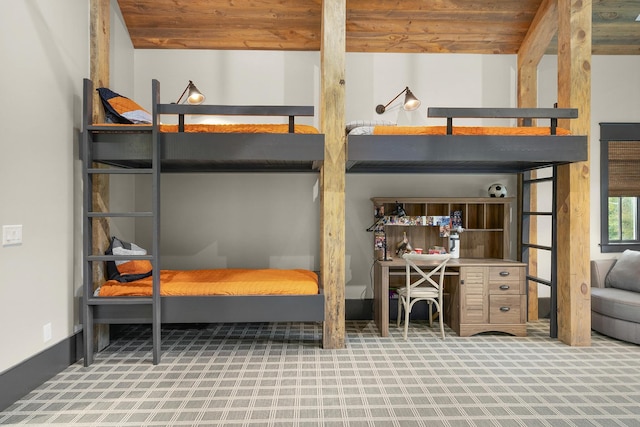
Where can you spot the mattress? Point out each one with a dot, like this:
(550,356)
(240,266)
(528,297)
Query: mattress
(219,282)
(226,128)
(465,130)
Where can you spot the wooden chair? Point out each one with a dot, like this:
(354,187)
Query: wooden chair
(424,288)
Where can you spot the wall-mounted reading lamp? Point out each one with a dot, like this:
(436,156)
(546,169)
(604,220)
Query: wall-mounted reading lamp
(410,102)
(194,97)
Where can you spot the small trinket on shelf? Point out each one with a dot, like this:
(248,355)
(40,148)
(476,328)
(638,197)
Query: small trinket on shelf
(404,245)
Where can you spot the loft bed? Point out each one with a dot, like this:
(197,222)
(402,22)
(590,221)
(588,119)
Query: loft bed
(449,149)
(190,148)
(153,148)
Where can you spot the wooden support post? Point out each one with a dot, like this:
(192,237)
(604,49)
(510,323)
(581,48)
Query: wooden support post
(99,74)
(574,90)
(535,43)
(332,179)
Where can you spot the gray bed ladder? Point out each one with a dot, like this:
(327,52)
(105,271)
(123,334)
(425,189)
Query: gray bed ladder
(526,181)
(91,304)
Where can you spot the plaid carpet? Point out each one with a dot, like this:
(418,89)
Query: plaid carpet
(277,375)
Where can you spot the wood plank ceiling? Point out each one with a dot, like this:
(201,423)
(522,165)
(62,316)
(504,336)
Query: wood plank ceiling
(410,26)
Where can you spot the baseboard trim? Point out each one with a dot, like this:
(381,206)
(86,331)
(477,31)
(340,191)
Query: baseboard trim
(33,372)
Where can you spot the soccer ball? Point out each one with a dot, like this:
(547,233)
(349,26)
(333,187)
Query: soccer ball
(497,190)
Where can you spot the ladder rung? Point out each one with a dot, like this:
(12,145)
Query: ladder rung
(539,280)
(120,171)
(117,257)
(537,180)
(534,246)
(118,214)
(538,213)
(119,300)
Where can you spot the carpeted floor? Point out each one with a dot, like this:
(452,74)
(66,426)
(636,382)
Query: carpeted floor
(278,375)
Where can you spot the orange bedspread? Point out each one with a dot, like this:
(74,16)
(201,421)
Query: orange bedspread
(464,130)
(230,128)
(220,282)
(239,128)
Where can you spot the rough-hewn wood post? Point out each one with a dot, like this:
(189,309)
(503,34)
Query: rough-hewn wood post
(332,110)
(99,74)
(574,90)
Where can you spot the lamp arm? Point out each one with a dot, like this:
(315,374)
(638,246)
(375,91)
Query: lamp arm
(184,91)
(382,108)
(373,226)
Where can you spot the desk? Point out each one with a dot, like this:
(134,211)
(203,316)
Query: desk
(483,295)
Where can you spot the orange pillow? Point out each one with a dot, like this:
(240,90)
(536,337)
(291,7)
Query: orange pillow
(120,109)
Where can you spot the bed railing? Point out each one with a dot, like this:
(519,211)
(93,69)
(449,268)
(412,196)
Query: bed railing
(525,114)
(290,111)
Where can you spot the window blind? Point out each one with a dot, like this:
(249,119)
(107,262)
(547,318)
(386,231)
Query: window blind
(624,168)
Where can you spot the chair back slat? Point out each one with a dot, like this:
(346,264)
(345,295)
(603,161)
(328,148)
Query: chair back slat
(428,267)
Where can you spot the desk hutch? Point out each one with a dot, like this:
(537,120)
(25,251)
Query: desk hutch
(485,290)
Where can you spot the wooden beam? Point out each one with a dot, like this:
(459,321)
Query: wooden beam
(541,32)
(574,90)
(332,119)
(100,29)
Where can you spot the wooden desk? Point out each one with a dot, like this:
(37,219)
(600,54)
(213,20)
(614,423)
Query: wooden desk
(483,295)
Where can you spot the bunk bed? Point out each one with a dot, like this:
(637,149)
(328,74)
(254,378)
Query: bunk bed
(366,154)
(152,149)
(449,149)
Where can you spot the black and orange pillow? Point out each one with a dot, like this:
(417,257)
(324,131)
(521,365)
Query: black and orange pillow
(120,109)
(127,270)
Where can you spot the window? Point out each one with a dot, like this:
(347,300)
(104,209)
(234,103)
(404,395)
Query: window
(619,186)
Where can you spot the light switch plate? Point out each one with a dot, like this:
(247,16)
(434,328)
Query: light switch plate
(11,235)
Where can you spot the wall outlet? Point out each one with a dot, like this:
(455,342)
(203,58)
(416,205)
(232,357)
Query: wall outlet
(11,235)
(46,332)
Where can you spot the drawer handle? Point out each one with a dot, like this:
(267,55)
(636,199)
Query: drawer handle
(504,273)
(505,309)
(504,287)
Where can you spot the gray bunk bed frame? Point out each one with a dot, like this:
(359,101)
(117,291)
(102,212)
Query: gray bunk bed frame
(143,149)
(483,154)
(469,153)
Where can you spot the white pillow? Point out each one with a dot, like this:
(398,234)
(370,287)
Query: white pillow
(362,130)
(359,123)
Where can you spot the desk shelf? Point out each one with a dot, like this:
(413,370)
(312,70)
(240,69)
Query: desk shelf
(486,223)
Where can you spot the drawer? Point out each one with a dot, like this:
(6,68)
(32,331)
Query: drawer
(506,309)
(505,273)
(506,287)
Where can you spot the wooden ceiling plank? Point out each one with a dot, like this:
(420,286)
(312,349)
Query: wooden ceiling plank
(614,25)
(509,6)
(434,27)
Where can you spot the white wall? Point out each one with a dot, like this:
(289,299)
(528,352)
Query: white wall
(44,46)
(371,79)
(205,216)
(615,97)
